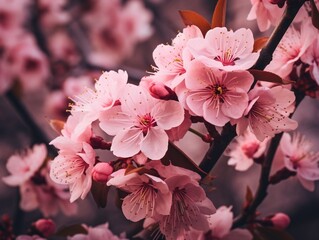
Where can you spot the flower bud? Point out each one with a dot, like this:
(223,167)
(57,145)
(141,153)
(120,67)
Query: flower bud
(160,91)
(101,172)
(280,220)
(45,226)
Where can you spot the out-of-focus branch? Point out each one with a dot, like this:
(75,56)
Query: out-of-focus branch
(37,135)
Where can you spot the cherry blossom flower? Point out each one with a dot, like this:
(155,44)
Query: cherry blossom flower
(74,164)
(216,95)
(268,112)
(172,60)
(311,57)
(244,150)
(299,158)
(220,225)
(139,123)
(189,208)
(265,13)
(92,103)
(149,195)
(291,47)
(226,50)
(100,232)
(23,167)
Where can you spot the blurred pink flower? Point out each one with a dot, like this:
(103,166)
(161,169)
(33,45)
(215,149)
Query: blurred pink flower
(299,158)
(23,167)
(100,232)
(216,95)
(268,112)
(74,164)
(311,57)
(290,49)
(226,50)
(52,14)
(139,123)
(62,48)
(244,150)
(190,206)
(45,226)
(27,62)
(265,13)
(172,60)
(220,225)
(148,195)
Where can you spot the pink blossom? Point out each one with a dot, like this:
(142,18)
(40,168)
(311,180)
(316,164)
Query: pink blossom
(291,47)
(148,195)
(220,226)
(100,232)
(108,89)
(244,150)
(47,196)
(101,172)
(311,57)
(265,13)
(226,50)
(172,60)
(299,158)
(23,167)
(137,21)
(139,123)
(27,62)
(268,112)
(280,220)
(216,95)
(74,164)
(189,208)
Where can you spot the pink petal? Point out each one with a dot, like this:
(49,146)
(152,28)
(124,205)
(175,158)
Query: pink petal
(127,143)
(114,120)
(155,143)
(214,115)
(168,114)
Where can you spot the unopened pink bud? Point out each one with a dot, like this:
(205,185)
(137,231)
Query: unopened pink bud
(160,91)
(45,226)
(101,172)
(280,220)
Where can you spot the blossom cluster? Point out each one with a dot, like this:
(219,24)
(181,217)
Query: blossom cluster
(205,77)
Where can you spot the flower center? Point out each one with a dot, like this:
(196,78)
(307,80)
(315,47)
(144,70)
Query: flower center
(250,149)
(146,122)
(227,59)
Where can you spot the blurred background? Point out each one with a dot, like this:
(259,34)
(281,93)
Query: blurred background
(48,49)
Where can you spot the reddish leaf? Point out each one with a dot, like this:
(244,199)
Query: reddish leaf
(265,76)
(260,43)
(219,15)
(179,158)
(249,195)
(193,18)
(57,125)
(99,192)
(71,230)
(269,233)
(314,14)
